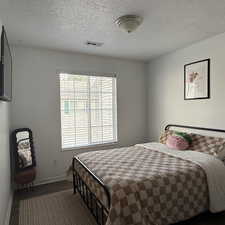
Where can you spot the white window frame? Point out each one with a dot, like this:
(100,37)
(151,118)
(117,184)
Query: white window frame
(90,146)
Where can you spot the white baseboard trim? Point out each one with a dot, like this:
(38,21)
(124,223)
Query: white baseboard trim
(50,180)
(9,208)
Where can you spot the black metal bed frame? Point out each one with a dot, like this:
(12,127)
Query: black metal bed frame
(97,209)
(194,128)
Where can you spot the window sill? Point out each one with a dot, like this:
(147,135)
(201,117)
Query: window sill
(94,146)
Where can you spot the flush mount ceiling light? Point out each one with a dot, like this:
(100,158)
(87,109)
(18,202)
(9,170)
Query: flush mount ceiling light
(129,23)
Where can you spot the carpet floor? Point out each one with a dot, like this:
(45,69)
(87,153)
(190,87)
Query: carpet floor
(55,204)
(60,208)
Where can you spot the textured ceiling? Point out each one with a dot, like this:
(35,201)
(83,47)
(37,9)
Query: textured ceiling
(68,24)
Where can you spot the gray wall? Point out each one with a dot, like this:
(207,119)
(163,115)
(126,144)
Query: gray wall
(36,101)
(5,178)
(165,88)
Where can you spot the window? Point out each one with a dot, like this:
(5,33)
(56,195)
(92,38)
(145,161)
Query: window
(66,107)
(88,110)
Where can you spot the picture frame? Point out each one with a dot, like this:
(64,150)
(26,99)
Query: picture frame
(197,80)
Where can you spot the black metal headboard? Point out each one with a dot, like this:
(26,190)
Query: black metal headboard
(196,128)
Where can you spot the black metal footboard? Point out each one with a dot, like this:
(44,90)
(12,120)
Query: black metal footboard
(97,209)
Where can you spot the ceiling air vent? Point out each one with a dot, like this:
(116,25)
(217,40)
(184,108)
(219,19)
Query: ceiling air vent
(95,44)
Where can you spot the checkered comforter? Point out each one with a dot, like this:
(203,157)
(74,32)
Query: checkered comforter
(147,187)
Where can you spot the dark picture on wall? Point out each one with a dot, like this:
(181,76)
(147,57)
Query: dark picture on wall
(197,80)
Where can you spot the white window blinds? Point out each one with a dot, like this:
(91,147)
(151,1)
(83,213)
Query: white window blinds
(88,110)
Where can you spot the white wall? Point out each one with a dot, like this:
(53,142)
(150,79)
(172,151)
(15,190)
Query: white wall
(36,101)
(5,178)
(166,84)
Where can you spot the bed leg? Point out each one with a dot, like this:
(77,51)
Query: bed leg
(74,184)
(74,178)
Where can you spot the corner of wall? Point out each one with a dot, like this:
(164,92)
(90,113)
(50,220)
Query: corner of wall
(8,210)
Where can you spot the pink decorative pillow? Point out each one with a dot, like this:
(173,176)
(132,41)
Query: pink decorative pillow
(177,142)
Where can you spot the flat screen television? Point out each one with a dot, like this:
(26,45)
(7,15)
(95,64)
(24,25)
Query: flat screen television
(5,69)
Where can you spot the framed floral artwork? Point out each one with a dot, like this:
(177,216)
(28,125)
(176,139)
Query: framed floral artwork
(197,80)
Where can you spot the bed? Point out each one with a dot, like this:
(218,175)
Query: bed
(149,184)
